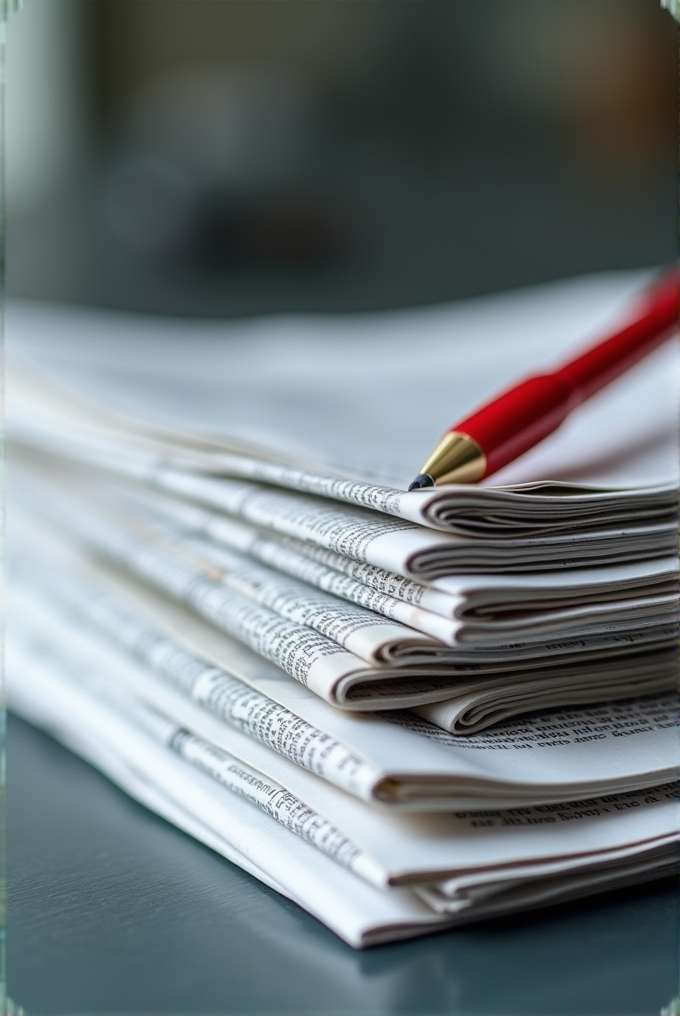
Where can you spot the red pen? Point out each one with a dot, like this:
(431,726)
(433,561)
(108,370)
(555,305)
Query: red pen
(523,415)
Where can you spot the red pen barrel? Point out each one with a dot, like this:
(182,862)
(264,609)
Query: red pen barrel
(523,415)
(519,418)
(605,362)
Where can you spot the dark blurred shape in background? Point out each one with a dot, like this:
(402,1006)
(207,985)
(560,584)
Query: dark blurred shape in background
(224,157)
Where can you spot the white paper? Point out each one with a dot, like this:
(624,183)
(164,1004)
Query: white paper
(230,379)
(401,760)
(326,666)
(397,848)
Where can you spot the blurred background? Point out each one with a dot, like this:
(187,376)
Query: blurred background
(226,157)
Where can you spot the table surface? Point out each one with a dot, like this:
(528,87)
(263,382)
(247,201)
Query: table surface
(112,910)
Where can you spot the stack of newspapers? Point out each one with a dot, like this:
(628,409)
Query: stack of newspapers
(403,711)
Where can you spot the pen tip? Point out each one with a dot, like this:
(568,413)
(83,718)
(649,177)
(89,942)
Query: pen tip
(422,480)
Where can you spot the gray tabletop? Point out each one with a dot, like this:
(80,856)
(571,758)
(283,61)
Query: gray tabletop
(111,910)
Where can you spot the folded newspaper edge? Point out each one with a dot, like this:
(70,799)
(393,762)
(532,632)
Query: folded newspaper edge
(303,638)
(54,414)
(396,545)
(359,913)
(396,759)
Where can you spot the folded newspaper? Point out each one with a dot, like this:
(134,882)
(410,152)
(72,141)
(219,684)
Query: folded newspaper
(212,551)
(393,758)
(325,406)
(355,657)
(407,873)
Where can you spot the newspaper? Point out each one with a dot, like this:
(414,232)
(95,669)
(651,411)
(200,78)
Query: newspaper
(378,539)
(227,770)
(459,891)
(317,639)
(473,710)
(359,913)
(614,461)
(217,737)
(190,669)
(457,597)
(469,842)
(540,890)
(364,634)
(476,608)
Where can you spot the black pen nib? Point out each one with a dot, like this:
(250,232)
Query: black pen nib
(422,480)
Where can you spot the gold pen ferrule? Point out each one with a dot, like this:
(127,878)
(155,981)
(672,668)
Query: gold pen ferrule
(456,459)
